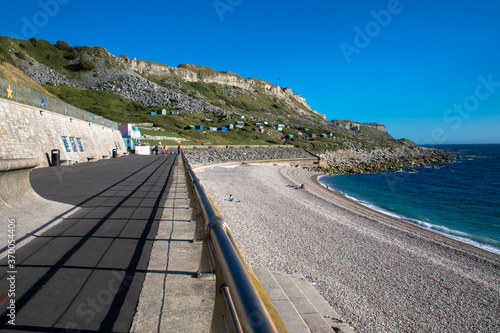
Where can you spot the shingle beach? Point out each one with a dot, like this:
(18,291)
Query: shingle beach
(380,273)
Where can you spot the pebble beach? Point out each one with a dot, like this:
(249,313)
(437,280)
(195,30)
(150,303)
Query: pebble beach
(381,274)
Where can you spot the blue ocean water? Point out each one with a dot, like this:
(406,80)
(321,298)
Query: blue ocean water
(459,199)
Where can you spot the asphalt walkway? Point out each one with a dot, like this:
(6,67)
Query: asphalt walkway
(86,273)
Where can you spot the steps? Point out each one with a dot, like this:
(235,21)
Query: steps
(299,305)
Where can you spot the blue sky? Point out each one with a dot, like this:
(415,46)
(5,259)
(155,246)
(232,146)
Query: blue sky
(428,70)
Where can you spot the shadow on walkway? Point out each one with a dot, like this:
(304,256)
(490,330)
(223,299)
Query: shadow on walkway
(85,274)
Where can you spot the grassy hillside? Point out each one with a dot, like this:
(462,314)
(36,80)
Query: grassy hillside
(13,74)
(303,127)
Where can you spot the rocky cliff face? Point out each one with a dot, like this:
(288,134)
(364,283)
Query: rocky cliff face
(354,126)
(195,73)
(129,78)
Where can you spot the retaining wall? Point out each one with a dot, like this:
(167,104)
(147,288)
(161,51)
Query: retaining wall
(23,213)
(30,132)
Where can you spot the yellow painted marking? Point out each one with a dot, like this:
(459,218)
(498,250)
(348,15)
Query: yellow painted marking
(9,92)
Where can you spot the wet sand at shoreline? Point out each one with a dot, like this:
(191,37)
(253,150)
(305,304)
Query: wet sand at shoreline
(380,273)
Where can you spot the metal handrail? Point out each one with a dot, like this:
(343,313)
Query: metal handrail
(236,297)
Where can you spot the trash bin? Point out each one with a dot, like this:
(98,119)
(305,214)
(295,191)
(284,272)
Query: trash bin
(55,159)
(114,153)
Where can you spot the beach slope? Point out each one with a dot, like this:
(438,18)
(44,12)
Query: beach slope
(380,273)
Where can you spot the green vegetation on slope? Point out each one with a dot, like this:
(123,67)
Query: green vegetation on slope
(303,127)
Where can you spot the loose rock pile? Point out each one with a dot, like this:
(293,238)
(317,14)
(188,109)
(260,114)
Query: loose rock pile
(201,157)
(339,161)
(124,82)
(359,160)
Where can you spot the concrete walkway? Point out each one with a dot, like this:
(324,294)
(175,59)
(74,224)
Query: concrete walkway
(86,273)
(173,299)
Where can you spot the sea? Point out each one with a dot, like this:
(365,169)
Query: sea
(460,199)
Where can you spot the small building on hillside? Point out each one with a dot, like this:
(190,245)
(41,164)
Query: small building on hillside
(212,129)
(279,127)
(173,112)
(151,113)
(199,127)
(222,129)
(240,124)
(230,126)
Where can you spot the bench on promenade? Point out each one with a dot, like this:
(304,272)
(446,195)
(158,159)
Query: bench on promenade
(67,161)
(92,158)
(106,157)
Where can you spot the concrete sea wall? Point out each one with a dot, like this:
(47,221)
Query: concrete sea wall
(30,132)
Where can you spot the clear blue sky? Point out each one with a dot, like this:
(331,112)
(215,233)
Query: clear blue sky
(428,70)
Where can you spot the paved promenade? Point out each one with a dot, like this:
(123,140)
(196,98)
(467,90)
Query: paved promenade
(86,273)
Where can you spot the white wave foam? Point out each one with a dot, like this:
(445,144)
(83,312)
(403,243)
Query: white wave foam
(450,233)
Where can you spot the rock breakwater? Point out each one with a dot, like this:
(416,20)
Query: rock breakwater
(202,157)
(338,162)
(359,160)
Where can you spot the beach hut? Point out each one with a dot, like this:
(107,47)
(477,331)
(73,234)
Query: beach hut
(222,129)
(151,113)
(199,127)
(212,129)
(230,126)
(279,127)
(240,124)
